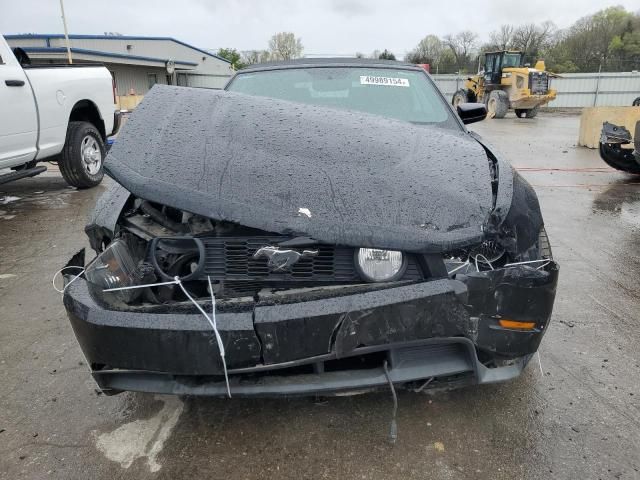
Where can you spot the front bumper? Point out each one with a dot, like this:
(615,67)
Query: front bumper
(447,329)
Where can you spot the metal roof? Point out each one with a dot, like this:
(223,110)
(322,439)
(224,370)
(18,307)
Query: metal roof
(102,54)
(109,37)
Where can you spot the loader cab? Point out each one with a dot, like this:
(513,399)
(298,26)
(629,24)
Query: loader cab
(494,62)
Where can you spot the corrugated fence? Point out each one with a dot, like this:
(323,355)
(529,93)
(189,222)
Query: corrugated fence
(574,89)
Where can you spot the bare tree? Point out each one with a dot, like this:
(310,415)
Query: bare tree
(428,50)
(532,38)
(461,46)
(502,38)
(285,46)
(254,56)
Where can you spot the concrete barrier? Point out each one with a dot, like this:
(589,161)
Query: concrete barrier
(592,119)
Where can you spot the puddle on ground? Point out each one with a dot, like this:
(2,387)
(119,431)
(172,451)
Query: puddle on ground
(8,199)
(142,438)
(622,200)
(51,199)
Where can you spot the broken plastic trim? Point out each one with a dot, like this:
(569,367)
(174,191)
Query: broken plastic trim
(613,138)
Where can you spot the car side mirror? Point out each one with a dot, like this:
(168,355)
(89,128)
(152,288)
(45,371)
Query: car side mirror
(472,112)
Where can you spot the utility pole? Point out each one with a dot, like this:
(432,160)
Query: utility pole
(66,33)
(595,97)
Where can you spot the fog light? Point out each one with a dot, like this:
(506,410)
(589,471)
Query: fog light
(375,265)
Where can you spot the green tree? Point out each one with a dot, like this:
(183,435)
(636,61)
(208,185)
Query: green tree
(233,56)
(625,50)
(591,43)
(386,55)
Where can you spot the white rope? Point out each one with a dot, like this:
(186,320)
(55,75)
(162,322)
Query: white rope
(486,261)
(53,280)
(118,289)
(465,264)
(175,281)
(213,325)
(530,261)
(544,261)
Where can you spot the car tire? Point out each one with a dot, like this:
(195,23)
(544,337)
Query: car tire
(498,104)
(532,112)
(82,158)
(636,102)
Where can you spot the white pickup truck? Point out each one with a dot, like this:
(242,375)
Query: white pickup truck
(61,113)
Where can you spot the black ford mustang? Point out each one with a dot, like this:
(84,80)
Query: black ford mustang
(350,228)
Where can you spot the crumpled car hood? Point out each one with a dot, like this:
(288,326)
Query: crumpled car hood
(336,176)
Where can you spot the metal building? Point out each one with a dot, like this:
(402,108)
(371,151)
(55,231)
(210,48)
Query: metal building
(136,63)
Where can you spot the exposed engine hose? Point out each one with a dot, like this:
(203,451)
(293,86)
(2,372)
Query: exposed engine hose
(162,219)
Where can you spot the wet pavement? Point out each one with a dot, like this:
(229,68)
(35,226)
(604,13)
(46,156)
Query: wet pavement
(576,414)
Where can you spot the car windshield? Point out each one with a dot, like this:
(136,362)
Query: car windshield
(512,60)
(406,95)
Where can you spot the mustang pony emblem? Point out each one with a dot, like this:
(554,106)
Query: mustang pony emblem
(282,259)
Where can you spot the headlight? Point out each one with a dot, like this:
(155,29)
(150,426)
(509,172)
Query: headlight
(113,268)
(376,265)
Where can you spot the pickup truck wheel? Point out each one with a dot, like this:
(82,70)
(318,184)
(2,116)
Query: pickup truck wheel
(82,156)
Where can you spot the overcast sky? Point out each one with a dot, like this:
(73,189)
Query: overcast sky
(325,26)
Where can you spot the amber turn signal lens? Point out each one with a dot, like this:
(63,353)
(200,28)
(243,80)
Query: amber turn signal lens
(515,325)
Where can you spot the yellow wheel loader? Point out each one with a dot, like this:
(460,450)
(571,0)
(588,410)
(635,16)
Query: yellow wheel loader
(505,83)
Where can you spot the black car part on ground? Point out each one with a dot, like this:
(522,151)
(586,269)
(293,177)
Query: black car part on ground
(612,140)
(208,178)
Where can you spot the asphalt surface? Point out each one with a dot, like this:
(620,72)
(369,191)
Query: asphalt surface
(573,415)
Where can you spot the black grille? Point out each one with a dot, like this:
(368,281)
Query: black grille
(230,259)
(538,83)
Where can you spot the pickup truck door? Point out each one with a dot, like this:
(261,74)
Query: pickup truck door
(18,114)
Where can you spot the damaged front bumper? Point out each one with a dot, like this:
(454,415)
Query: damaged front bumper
(447,330)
